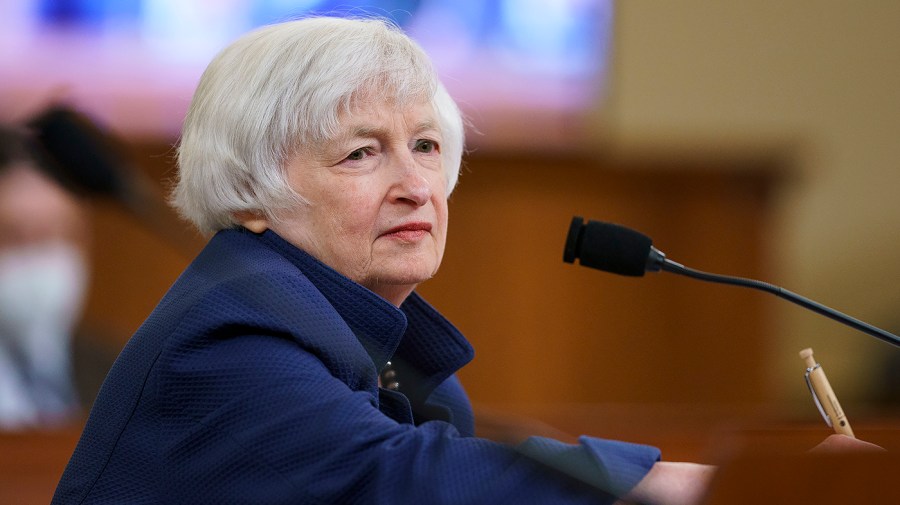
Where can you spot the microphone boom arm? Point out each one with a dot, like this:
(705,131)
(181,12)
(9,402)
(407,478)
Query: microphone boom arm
(620,250)
(660,262)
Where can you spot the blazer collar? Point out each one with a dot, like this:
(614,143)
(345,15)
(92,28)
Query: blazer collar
(423,345)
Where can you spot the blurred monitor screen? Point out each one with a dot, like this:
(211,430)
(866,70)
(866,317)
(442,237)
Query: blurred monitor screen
(516,67)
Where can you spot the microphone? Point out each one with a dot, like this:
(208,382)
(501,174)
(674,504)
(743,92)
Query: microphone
(91,162)
(616,249)
(79,155)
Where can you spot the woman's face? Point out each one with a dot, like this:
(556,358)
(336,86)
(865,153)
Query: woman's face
(377,196)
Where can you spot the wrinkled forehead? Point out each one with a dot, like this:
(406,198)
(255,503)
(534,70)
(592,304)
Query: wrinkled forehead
(376,105)
(373,118)
(364,101)
(395,95)
(388,94)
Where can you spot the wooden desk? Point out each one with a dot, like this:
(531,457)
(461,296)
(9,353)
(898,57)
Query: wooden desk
(776,477)
(704,433)
(762,457)
(31,463)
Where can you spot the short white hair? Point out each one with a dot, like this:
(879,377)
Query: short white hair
(283,86)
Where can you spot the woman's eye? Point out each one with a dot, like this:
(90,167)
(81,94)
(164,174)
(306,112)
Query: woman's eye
(357,155)
(426,146)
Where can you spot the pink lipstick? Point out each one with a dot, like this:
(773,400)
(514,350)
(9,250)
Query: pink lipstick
(409,231)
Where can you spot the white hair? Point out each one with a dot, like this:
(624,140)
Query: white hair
(284,86)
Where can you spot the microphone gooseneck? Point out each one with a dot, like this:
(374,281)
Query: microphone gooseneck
(620,250)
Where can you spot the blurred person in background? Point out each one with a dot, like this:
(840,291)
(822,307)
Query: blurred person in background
(43,278)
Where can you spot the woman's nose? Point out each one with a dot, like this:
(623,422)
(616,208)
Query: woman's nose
(412,186)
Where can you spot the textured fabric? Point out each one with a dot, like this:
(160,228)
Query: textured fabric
(255,381)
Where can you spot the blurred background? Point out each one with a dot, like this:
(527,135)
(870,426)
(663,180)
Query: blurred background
(755,139)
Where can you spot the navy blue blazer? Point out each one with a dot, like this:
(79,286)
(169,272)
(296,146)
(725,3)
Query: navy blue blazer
(255,381)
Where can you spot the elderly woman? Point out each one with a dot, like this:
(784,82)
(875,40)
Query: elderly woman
(293,362)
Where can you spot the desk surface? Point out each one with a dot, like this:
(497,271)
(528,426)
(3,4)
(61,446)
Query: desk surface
(706,433)
(762,458)
(31,463)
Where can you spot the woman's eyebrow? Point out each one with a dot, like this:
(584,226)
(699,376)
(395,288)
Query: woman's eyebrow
(369,131)
(427,124)
(365,131)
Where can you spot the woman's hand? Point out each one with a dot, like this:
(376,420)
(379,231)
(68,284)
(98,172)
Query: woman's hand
(843,443)
(672,483)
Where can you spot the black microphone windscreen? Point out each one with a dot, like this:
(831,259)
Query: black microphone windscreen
(77,153)
(608,247)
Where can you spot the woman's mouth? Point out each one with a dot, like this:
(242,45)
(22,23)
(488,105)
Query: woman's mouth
(409,231)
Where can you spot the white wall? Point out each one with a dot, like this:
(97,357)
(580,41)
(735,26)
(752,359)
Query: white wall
(820,76)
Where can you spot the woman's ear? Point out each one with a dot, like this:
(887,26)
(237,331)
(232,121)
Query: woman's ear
(253,221)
